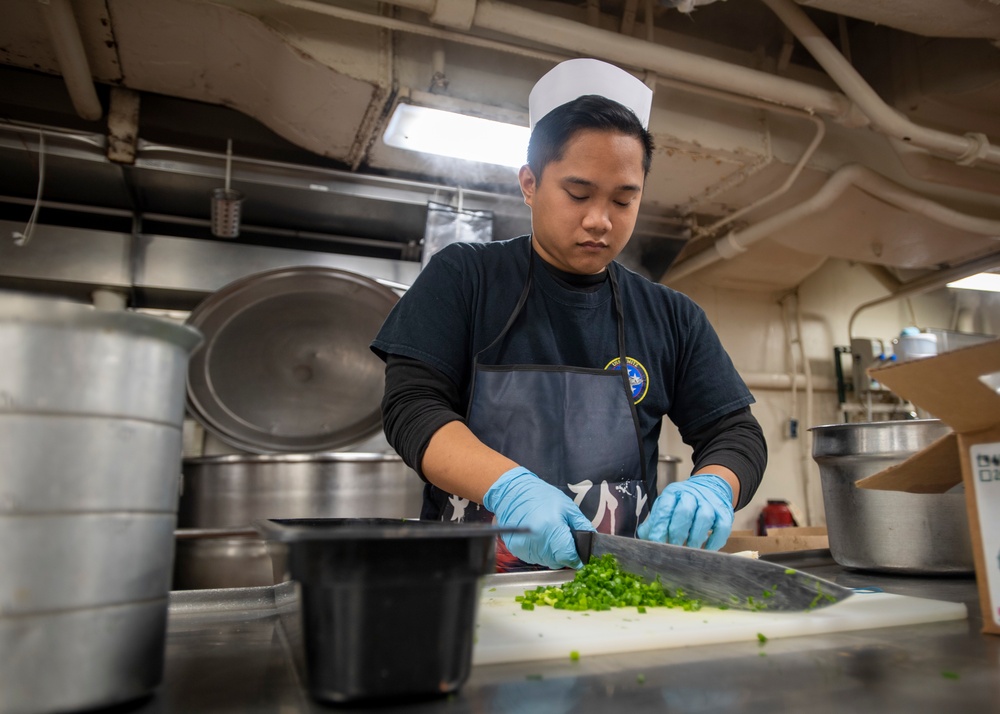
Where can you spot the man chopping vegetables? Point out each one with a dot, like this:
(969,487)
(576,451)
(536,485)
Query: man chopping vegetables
(527,379)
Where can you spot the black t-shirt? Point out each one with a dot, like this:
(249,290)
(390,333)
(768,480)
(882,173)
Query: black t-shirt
(461,301)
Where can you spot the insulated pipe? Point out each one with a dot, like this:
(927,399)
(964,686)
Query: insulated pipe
(789,180)
(68,46)
(110,300)
(966,150)
(702,71)
(570,36)
(391,23)
(735,243)
(784,382)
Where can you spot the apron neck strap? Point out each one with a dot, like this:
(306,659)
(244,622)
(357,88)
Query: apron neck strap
(517,308)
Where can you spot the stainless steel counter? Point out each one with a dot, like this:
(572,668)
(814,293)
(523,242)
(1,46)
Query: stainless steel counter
(228,651)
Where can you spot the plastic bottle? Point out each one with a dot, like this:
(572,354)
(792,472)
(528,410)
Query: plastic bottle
(776,514)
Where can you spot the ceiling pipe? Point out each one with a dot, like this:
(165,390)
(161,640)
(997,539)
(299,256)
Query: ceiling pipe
(929,282)
(68,46)
(394,24)
(734,243)
(570,36)
(786,184)
(108,299)
(785,382)
(705,71)
(965,150)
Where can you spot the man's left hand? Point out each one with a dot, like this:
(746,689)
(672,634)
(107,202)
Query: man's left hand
(688,511)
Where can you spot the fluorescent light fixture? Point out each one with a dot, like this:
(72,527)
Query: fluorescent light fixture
(459,136)
(989,282)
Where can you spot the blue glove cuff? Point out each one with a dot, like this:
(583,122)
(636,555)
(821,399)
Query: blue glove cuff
(495,492)
(719,485)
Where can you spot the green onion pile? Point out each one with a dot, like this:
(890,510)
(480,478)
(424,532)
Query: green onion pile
(601,585)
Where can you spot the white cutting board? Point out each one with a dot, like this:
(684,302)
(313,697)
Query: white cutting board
(506,633)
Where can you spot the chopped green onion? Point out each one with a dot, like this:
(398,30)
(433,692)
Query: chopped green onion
(601,584)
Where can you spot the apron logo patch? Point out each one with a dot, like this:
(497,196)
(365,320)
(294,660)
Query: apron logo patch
(637,376)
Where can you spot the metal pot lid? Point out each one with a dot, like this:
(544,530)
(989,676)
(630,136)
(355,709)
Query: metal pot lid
(285,366)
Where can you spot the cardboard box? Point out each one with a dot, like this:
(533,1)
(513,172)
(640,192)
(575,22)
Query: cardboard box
(959,388)
(778,540)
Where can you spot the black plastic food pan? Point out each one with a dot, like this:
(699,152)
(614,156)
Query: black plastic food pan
(388,605)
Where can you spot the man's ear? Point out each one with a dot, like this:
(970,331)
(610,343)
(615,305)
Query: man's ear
(526,177)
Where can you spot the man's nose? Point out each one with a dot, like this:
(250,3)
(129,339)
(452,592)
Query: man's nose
(597,219)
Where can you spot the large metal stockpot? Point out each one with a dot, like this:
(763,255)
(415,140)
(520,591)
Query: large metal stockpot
(232,491)
(888,531)
(91,408)
(666,471)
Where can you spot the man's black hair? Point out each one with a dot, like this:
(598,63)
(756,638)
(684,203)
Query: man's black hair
(555,129)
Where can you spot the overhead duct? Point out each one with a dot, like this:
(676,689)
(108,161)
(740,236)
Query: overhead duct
(736,243)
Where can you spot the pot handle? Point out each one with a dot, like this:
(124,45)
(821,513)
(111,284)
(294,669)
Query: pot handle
(198,533)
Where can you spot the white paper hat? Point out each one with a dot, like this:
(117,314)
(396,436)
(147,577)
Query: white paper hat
(579,77)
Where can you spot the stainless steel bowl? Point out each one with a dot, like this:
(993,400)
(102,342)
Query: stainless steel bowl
(888,531)
(233,491)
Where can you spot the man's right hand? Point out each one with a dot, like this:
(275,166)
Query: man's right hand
(521,499)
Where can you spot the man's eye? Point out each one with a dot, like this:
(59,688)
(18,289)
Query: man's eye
(575,197)
(623,204)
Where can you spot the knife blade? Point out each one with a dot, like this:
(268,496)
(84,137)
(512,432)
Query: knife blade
(718,579)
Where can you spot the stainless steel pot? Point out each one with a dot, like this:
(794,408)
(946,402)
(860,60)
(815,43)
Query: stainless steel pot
(232,491)
(91,407)
(666,471)
(888,531)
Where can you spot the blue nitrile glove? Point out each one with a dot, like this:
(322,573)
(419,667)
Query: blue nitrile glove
(687,510)
(519,498)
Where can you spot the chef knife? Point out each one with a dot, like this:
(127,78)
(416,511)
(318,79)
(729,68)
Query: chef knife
(719,579)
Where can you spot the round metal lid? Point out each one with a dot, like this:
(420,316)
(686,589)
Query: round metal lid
(285,366)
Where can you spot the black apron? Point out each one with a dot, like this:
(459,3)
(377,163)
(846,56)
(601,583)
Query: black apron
(575,427)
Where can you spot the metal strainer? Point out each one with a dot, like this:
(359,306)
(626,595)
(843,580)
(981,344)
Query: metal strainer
(227,204)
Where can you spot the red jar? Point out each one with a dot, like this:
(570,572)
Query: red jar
(776,514)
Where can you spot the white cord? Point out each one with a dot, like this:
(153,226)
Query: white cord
(22,239)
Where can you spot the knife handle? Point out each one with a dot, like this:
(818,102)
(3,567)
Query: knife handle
(584,544)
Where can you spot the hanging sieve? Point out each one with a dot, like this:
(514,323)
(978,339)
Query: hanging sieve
(226,204)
